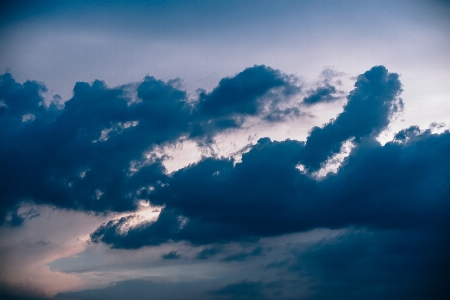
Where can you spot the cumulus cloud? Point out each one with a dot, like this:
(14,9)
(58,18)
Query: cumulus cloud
(321,94)
(386,186)
(242,94)
(368,111)
(95,152)
(255,91)
(266,194)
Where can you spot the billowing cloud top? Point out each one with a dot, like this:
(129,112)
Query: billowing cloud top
(95,154)
(98,152)
(266,194)
(90,154)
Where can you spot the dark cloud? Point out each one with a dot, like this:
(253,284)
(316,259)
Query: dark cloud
(368,111)
(208,253)
(258,289)
(171,255)
(406,134)
(140,289)
(242,94)
(395,186)
(80,156)
(145,234)
(326,90)
(388,186)
(232,201)
(241,290)
(257,90)
(278,115)
(16,219)
(277,264)
(321,94)
(201,290)
(21,292)
(378,265)
(20,99)
(241,256)
(88,153)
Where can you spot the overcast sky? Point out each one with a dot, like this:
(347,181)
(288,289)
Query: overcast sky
(224,149)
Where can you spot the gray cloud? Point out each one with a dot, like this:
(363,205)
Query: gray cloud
(89,155)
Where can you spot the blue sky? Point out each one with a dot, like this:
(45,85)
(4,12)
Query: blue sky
(225,149)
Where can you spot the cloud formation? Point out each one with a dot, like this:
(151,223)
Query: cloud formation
(266,194)
(95,152)
(321,94)
(390,264)
(276,198)
(368,111)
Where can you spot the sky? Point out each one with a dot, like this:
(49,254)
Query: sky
(224,149)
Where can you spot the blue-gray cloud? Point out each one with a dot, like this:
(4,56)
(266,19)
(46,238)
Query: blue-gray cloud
(241,94)
(245,94)
(241,256)
(264,195)
(396,195)
(241,290)
(321,94)
(379,264)
(395,186)
(208,252)
(171,255)
(88,154)
(368,111)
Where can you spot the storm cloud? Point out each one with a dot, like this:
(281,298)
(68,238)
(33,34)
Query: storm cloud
(94,152)
(378,186)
